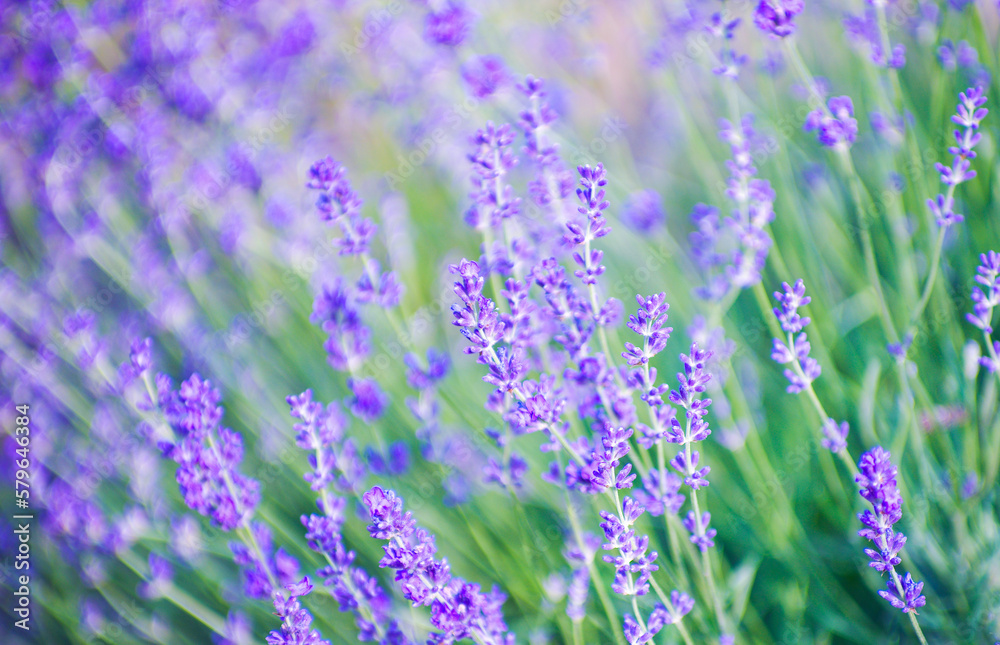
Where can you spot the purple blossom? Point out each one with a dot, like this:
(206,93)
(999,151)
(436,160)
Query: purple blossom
(367,402)
(834,435)
(449,25)
(336,312)
(208,456)
(591,195)
(296,622)
(493,200)
(458,608)
(794,349)
(986,296)
(774,17)
(320,431)
(484,75)
(643,212)
(968,117)
(836,126)
(160,576)
(877,479)
(732,252)
(648,322)
(553,182)
(863,30)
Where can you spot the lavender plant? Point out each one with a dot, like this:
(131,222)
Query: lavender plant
(270,198)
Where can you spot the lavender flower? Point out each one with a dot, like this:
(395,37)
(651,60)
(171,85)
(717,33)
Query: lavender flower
(339,204)
(774,17)
(835,125)
(449,25)
(207,455)
(794,349)
(834,435)
(334,461)
(553,182)
(987,296)
(643,212)
(458,608)
(633,564)
(969,116)
(591,194)
(878,486)
(692,384)
(296,622)
(732,252)
(484,75)
(864,31)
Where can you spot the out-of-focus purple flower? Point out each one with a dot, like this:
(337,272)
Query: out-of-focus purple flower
(836,127)
(484,75)
(834,435)
(449,25)
(262,566)
(160,576)
(863,30)
(492,159)
(553,182)
(394,462)
(420,378)
(335,310)
(732,252)
(775,17)
(643,212)
(367,401)
(339,204)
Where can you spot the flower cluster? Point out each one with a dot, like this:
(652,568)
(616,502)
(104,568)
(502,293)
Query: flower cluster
(591,194)
(458,608)
(732,252)
(493,200)
(986,297)
(729,61)
(633,564)
(553,182)
(877,480)
(335,465)
(337,308)
(296,622)
(775,17)
(339,204)
(834,123)
(864,31)
(688,396)
(207,454)
(794,349)
(969,115)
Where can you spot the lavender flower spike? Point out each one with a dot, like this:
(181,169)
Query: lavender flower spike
(836,126)
(296,622)
(774,17)
(969,115)
(878,486)
(794,349)
(458,608)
